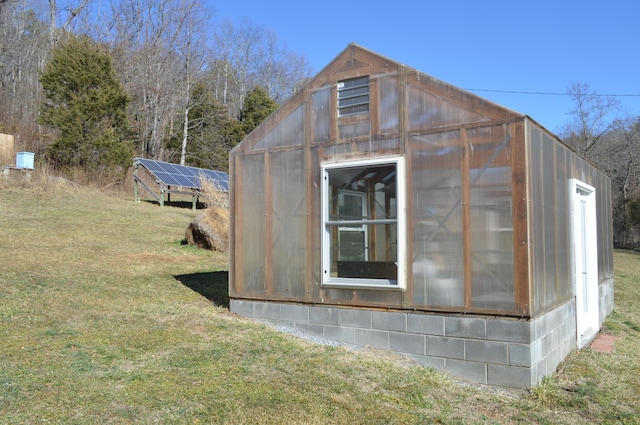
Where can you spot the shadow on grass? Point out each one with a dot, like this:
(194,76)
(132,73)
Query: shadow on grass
(214,286)
(176,204)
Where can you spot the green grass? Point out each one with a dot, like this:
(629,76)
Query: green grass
(105,317)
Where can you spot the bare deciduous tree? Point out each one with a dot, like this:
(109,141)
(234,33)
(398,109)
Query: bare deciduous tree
(247,56)
(155,44)
(193,54)
(591,118)
(278,70)
(70,10)
(24,50)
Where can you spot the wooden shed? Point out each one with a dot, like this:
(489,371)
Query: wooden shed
(381,206)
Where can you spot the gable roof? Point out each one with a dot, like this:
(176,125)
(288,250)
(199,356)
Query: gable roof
(445,103)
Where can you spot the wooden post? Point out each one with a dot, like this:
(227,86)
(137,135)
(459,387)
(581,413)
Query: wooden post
(135,182)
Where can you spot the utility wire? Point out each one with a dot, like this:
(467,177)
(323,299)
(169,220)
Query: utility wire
(553,93)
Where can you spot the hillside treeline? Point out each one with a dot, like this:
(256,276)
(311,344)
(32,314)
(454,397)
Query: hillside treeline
(88,84)
(603,132)
(187,75)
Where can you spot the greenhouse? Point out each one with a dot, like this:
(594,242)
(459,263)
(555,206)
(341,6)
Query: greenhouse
(380,206)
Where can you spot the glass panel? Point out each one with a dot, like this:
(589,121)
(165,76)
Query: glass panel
(362,222)
(436,228)
(352,243)
(369,251)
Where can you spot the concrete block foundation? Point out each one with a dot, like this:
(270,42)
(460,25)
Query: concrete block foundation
(498,351)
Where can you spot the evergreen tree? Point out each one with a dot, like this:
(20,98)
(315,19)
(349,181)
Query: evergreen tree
(87,105)
(256,108)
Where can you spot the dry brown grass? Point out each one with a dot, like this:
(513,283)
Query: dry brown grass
(211,195)
(103,320)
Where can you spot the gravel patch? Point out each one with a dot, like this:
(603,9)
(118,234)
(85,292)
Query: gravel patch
(402,361)
(314,338)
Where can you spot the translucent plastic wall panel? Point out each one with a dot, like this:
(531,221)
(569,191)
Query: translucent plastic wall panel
(380,146)
(288,132)
(605,226)
(354,130)
(552,253)
(582,170)
(251,235)
(536,190)
(288,223)
(563,219)
(332,151)
(315,210)
(491,225)
(388,107)
(366,298)
(428,111)
(437,267)
(321,114)
(378,298)
(550,194)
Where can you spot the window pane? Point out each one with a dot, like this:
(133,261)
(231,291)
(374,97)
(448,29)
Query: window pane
(352,244)
(362,223)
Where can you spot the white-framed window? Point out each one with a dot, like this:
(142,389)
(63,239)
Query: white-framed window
(363,223)
(353,96)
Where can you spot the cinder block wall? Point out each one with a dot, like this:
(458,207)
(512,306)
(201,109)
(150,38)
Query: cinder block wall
(502,352)
(605,293)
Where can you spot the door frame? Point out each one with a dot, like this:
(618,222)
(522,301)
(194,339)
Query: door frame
(585,260)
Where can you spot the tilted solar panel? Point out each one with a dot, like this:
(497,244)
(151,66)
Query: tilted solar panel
(183,175)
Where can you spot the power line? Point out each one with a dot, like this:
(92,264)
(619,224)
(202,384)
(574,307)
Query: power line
(552,93)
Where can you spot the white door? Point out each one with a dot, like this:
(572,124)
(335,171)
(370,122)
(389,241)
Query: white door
(585,250)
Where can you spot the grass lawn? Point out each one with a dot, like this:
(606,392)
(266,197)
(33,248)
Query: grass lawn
(106,318)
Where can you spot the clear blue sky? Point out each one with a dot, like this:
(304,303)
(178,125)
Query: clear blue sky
(535,46)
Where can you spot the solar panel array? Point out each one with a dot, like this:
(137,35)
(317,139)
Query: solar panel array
(184,176)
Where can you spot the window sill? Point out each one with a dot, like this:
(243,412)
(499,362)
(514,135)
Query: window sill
(377,284)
